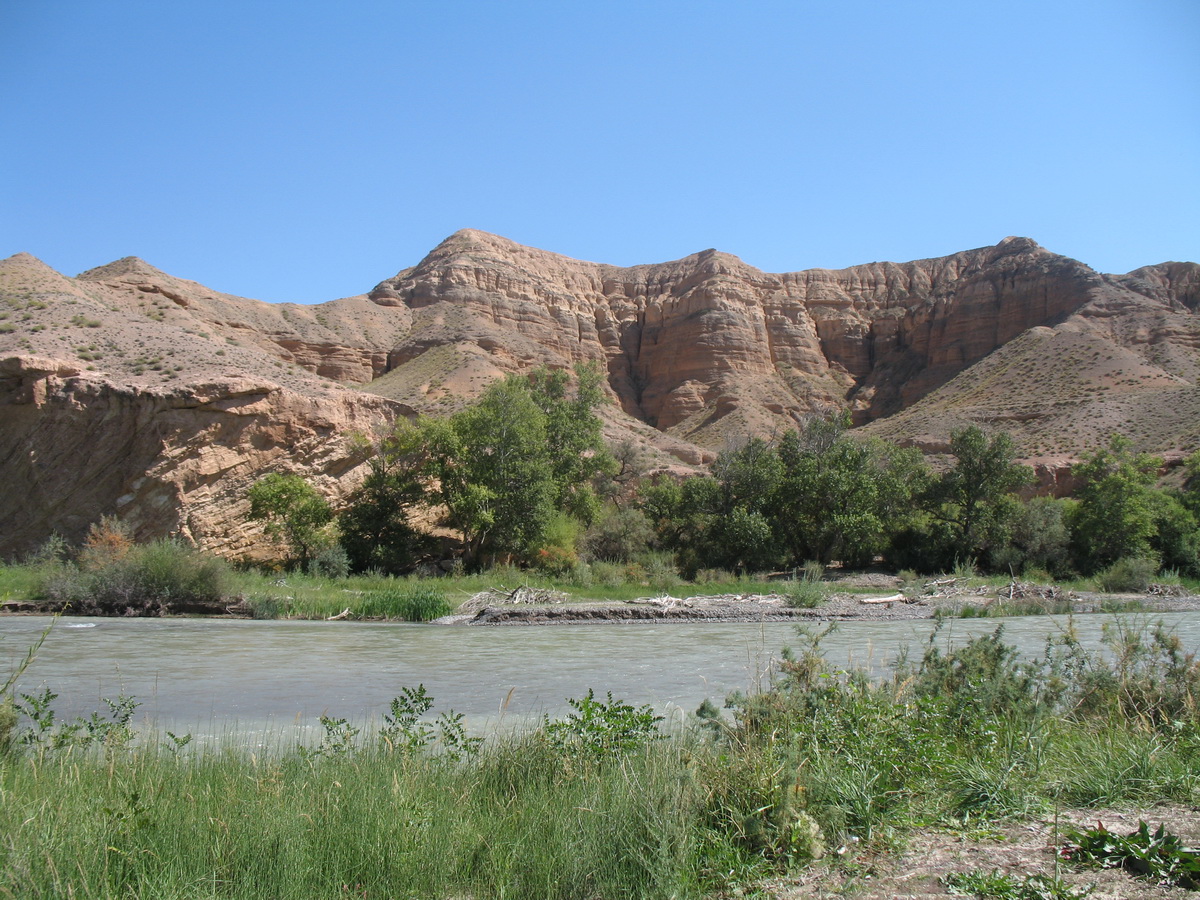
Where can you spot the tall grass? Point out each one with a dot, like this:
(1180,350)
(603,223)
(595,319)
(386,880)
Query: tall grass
(515,823)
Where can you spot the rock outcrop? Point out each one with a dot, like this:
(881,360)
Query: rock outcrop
(168,462)
(128,390)
(689,343)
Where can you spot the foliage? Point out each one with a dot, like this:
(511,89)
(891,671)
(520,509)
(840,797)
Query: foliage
(111,731)
(1127,575)
(1115,516)
(294,513)
(413,603)
(981,680)
(618,534)
(1001,886)
(839,497)
(108,541)
(146,579)
(524,450)
(578,455)
(602,728)
(602,804)
(720,520)
(1159,855)
(1176,541)
(375,530)
(806,590)
(330,562)
(973,499)
(1040,539)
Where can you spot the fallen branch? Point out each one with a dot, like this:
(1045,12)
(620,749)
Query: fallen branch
(344,614)
(892,598)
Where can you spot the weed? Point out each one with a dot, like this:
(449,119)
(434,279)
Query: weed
(602,727)
(1159,855)
(999,886)
(806,590)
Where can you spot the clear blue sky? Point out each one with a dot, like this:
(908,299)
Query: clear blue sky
(304,151)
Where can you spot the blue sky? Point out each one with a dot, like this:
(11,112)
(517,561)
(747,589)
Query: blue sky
(304,151)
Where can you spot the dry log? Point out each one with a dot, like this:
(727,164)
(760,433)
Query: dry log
(893,598)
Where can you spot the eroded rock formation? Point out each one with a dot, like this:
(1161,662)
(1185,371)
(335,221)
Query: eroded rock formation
(127,390)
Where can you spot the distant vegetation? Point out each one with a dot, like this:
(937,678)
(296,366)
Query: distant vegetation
(524,478)
(523,485)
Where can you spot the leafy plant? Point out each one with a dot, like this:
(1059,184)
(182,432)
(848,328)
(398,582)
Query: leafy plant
(602,727)
(999,886)
(337,740)
(403,730)
(1157,854)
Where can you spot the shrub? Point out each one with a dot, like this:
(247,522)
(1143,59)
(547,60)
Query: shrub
(607,574)
(331,562)
(660,571)
(149,579)
(618,535)
(806,590)
(1127,575)
(602,728)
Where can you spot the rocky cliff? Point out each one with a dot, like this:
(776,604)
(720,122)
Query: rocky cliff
(128,390)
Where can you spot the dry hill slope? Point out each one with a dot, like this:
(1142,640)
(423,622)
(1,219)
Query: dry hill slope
(127,390)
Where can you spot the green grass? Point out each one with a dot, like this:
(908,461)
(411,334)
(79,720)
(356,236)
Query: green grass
(516,822)
(296,595)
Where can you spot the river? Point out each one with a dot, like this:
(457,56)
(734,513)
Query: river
(213,677)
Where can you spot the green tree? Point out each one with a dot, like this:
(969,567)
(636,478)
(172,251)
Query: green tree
(1115,516)
(294,513)
(527,448)
(975,498)
(840,497)
(578,455)
(719,521)
(376,532)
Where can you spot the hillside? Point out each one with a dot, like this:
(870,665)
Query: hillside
(125,389)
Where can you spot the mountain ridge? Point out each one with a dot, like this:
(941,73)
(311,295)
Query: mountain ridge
(208,390)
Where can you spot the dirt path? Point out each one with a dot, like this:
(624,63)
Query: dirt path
(1022,849)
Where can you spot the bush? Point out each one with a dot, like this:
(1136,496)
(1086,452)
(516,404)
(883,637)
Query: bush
(660,571)
(602,728)
(1127,576)
(331,562)
(806,590)
(148,579)
(1040,539)
(619,535)
(607,574)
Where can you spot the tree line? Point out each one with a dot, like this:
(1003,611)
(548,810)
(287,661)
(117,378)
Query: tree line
(524,476)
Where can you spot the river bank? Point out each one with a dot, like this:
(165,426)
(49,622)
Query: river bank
(871,597)
(821,783)
(859,597)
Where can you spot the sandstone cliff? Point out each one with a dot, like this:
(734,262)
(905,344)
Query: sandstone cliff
(128,390)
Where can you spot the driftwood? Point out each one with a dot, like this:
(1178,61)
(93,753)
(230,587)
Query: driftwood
(892,598)
(344,614)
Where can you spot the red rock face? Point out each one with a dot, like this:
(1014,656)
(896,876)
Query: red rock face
(168,462)
(128,390)
(683,341)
